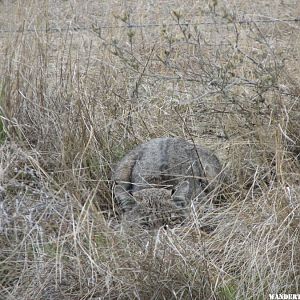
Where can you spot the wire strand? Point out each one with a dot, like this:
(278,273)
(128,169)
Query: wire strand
(130,26)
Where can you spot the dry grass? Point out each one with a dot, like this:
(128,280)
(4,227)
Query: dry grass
(75,101)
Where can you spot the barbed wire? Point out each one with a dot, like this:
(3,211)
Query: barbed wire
(132,25)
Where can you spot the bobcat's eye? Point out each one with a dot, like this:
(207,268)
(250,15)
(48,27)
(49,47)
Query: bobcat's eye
(144,222)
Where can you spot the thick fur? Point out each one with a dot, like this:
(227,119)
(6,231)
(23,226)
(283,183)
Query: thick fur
(189,170)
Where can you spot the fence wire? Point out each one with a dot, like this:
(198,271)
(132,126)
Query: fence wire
(133,26)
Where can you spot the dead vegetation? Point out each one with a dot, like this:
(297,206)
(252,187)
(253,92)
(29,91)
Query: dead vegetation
(80,86)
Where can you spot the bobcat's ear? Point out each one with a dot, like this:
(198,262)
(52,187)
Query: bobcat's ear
(124,199)
(180,195)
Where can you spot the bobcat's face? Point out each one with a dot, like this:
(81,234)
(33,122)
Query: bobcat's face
(154,208)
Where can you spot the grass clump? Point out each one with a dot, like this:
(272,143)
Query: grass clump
(76,97)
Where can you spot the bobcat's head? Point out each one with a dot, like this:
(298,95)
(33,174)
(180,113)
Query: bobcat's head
(155,207)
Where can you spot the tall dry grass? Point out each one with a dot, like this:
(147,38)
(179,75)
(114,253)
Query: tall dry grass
(73,102)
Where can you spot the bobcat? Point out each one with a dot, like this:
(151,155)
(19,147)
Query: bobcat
(154,208)
(156,181)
